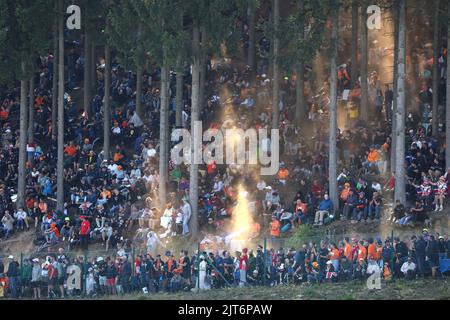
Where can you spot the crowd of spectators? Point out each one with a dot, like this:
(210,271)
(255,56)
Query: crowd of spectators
(325,261)
(107,200)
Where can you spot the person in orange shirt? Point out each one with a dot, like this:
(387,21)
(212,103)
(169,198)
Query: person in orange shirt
(372,250)
(348,249)
(334,257)
(379,254)
(372,159)
(283,174)
(71,150)
(362,252)
(275,227)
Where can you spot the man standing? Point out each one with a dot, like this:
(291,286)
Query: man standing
(420,253)
(187,212)
(84,232)
(243,267)
(13,276)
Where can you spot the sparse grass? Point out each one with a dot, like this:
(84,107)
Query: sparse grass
(396,290)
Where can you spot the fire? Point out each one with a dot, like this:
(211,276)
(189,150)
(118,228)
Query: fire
(242,219)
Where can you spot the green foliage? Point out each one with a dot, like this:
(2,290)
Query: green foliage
(303,234)
(145,31)
(25,33)
(295,47)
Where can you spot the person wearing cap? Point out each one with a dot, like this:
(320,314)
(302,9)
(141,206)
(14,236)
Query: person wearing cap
(36,274)
(13,276)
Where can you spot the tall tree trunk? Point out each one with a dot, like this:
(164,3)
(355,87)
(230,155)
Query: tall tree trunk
(202,70)
(300,93)
(354,68)
(276,75)
(332,172)
(55,77)
(447,108)
(163,134)
(436,49)
(179,95)
(31,110)
(93,70)
(251,62)
(21,185)
(61,79)
(107,105)
(400,119)
(300,72)
(87,85)
(139,110)
(364,65)
(396,14)
(193,171)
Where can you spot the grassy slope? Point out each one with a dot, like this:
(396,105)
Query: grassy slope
(398,290)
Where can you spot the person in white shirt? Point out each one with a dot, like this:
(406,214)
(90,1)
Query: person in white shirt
(167,216)
(187,212)
(377,187)
(409,269)
(152,242)
(203,266)
(218,185)
(373,267)
(21,217)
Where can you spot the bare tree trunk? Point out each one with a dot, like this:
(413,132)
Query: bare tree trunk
(139,110)
(300,93)
(364,65)
(193,171)
(87,85)
(55,78)
(300,72)
(436,49)
(107,105)
(61,79)
(31,110)
(396,15)
(251,62)
(163,146)
(179,95)
(21,183)
(354,69)
(447,109)
(332,172)
(400,119)
(202,70)
(276,76)
(93,68)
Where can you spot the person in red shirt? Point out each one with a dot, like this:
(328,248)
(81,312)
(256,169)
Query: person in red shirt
(243,267)
(355,249)
(52,277)
(84,232)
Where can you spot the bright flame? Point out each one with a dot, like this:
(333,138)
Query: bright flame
(241,220)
